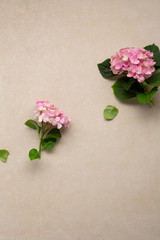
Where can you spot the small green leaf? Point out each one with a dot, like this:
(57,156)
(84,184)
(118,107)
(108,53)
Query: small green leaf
(154,80)
(34,154)
(53,133)
(110,112)
(120,92)
(147,97)
(3,155)
(48,144)
(105,69)
(33,124)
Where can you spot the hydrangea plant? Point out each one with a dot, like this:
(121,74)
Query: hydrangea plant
(136,70)
(50,121)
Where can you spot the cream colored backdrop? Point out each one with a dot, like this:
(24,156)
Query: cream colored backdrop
(102,180)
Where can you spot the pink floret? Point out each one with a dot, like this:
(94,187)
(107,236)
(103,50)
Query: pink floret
(48,113)
(135,62)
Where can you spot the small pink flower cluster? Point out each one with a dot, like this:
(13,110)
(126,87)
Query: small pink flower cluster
(136,62)
(48,113)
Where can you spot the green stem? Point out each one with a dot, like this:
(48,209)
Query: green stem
(46,130)
(41,138)
(40,146)
(145,86)
(41,135)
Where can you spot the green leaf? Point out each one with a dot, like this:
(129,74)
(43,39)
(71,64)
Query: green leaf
(48,144)
(120,92)
(136,88)
(34,154)
(53,133)
(156,54)
(152,48)
(33,124)
(105,70)
(110,112)
(3,155)
(126,82)
(157,59)
(154,80)
(147,97)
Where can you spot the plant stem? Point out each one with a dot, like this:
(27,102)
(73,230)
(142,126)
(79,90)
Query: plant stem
(40,147)
(41,138)
(145,87)
(41,135)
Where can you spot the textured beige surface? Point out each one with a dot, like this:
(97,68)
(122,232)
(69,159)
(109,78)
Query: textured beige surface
(102,180)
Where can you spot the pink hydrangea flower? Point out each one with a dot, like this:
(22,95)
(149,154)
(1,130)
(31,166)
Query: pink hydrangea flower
(136,62)
(48,113)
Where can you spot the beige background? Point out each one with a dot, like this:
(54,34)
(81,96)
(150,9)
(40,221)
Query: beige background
(101,182)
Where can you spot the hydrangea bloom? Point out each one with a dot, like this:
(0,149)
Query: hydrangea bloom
(136,62)
(48,113)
